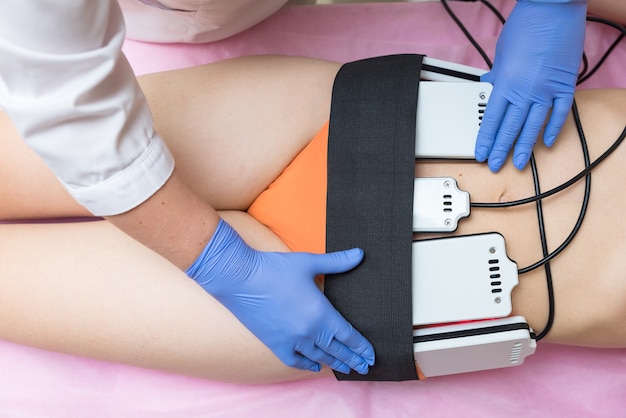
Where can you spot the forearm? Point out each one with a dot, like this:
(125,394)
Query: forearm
(175,222)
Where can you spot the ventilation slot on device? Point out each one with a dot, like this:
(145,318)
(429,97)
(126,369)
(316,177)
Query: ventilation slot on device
(494,275)
(516,353)
(447,203)
(481,110)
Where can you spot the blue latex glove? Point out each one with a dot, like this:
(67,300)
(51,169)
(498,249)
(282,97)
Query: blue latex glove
(537,60)
(275,296)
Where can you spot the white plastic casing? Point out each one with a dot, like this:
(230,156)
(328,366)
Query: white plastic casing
(462,278)
(448,118)
(449,69)
(438,204)
(473,346)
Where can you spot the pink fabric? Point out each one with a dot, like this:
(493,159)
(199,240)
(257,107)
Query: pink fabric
(555,382)
(349,32)
(558,381)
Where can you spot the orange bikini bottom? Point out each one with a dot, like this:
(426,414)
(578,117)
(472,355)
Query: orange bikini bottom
(294,205)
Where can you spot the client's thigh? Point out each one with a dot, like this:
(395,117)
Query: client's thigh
(589,283)
(233,126)
(28,188)
(88,289)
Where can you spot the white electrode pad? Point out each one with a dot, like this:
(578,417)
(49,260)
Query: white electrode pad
(449,114)
(473,346)
(462,278)
(438,204)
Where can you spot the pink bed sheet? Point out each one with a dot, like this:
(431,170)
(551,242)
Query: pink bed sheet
(558,381)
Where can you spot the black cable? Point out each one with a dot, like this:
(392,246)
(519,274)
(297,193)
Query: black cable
(585,204)
(495,11)
(549,283)
(544,249)
(559,188)
(584,69)
(619,27)
(467,34)
(585,76)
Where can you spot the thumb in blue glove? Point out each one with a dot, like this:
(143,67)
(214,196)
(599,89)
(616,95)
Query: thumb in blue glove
(538,56)
(274,295)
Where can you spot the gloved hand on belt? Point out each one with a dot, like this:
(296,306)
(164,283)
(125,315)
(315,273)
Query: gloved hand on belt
(274,295)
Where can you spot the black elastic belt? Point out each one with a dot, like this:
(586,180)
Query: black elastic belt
(371,160)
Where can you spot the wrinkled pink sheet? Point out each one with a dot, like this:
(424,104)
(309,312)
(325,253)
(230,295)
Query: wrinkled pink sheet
(558,381)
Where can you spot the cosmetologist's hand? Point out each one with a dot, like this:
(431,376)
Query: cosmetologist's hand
(275,296)
(536,65)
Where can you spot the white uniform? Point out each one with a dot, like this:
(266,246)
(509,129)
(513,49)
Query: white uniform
(74,98)
(193,20)
(75,101)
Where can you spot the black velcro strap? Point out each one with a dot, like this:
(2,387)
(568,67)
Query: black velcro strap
(371,159)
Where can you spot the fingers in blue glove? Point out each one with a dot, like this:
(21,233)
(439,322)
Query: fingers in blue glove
(357,343)
(313,353)
(345,344)
(560,110)
(348,346)
(492,119)
(301,361)
(335,344)
(275,297)
(336,262)
(496,150)
(530,132)
(329,351)
(511,126)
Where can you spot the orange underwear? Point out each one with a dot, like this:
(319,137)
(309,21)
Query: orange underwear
(294,205)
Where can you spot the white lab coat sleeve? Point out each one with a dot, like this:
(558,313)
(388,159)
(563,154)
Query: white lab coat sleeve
(73,97)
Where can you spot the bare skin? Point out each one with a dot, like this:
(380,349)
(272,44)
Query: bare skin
(614,10)
(87,288)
